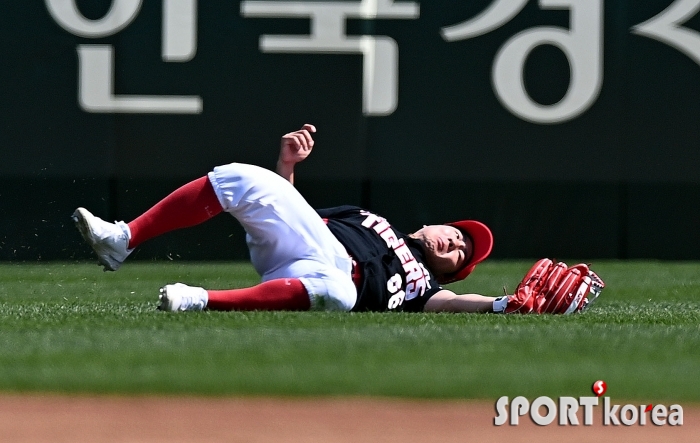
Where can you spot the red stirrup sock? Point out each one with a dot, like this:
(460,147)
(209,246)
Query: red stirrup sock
(282,294)
(189,205)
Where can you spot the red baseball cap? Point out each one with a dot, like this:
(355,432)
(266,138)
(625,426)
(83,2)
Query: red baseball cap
(482,243)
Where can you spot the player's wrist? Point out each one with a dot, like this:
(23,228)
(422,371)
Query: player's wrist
(286,163)
(500,304)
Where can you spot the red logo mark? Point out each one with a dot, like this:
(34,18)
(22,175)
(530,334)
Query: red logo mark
(648,408)
(599,388)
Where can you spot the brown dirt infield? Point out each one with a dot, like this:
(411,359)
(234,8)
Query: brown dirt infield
(105,419)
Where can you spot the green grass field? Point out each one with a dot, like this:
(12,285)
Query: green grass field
(69,327)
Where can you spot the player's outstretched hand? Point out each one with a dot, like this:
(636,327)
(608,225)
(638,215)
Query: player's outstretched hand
(297,145)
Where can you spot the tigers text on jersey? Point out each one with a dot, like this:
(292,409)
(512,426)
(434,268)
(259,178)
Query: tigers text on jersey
(392,265)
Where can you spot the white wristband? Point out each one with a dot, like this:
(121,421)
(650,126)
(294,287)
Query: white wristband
(499,305)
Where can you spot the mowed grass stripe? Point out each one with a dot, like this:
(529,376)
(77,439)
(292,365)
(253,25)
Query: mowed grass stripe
(68,327)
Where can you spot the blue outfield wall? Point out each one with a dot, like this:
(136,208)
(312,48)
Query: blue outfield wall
(571,131)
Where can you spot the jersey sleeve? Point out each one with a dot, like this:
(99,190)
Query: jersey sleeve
(418,304)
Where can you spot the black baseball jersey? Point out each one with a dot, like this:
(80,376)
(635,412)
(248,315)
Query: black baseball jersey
(392,265)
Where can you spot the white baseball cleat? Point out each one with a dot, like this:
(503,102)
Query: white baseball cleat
(110,241)
(180,297)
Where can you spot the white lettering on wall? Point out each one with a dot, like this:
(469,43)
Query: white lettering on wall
(380,53)
(666,27)
(96,62)
(582,44)
(67,15)
(496,15)
(179,30)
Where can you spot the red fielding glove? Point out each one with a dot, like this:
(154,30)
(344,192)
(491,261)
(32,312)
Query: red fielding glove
(554,288)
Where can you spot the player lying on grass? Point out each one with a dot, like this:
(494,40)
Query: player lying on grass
(343,258)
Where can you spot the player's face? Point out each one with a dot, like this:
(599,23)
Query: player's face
(446,248)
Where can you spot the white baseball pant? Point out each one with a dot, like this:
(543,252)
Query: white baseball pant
(285,235)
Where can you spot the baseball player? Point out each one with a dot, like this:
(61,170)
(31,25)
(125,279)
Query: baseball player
(343,258)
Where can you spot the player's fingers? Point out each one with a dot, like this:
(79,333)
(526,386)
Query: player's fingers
(309,127)
(308,139)
(304,139)
(290,141)
(301,141)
